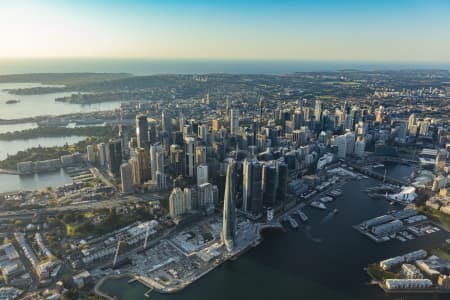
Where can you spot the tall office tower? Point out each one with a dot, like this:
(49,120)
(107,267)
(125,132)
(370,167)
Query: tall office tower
(234,121)
(299,118)
(341,143)
(318,109)
(188,202)
(114,156)
(228,108)
(160,180)
(144,164)
(189,150)
(90,153)
(142,131)
(202,174)
(127,178)
(202,132)
(182,121)
(261,108)
(229,208)
(176,203)
(187,130)
(269,184)
(160,161)
(251,187)
(216,125)
(152,134)
(403,131)
(135,170)
(306,114)
(360,147)
(200,155)
(283,176)
(379,115)
(101,153)
(177,159)
(205,195)
(424,127)
(123,135)
(154,157)
(177,138)
(350,142)
(323,138)
(412,121)
(346,108)
(166,123)
(348,124)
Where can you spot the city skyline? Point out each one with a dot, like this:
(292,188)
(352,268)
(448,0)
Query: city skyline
(323,30)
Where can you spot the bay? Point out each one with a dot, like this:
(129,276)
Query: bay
(40,105)
(322,260)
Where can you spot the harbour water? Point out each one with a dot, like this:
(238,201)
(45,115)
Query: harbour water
(39,105)
(14,146)
(322,260)
(12,183)
(17,127)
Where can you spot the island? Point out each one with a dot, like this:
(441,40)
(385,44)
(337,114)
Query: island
(12,101)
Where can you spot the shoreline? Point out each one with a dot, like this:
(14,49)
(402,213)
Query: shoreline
(153,286)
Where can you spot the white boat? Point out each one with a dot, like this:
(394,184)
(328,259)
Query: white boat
(302,216)
(292,222)
(317,204)
(326,199)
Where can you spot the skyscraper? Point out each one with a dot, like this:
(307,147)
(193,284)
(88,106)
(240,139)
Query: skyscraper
(101,153)
(176,203)
(229,208)
(156,160)
(142,131)
(189,151)
(251,187)
(166,123)
(123,135)
(341,143)
(234,121)
(135,170)
(114,156)
(90,153)
(127,178)
(318,109)
(202,174)
(144,165)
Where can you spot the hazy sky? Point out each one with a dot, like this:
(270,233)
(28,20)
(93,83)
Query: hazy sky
(379,30)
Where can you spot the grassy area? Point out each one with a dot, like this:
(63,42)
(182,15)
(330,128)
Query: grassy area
(81,224)
(377,273)
(442,251)
(436,216)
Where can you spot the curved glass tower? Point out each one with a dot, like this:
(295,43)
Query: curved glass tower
(229,208)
